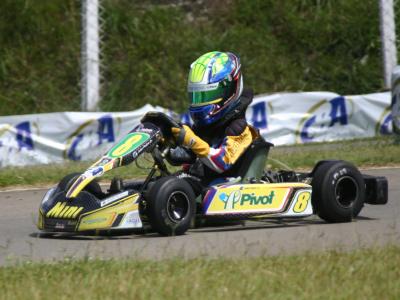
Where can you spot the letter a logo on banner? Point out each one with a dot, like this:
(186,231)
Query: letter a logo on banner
(259,115)
(106,129)
(23,136)
(338,111)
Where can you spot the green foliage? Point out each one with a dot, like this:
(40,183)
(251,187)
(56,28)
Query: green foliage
(284,46)
(362,274)
(39,56)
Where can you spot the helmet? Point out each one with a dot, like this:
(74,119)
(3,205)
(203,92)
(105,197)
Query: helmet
(214,85)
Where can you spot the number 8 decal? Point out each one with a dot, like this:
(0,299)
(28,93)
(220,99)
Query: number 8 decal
(302,202)
(127,145)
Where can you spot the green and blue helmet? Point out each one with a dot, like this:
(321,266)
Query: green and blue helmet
(214,86)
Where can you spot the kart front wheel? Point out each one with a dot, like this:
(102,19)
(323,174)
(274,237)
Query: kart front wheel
(338,191)
(171,206)
(93,187)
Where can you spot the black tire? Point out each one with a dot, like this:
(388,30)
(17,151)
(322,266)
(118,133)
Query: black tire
(93,187)
(338,191)
(171,206)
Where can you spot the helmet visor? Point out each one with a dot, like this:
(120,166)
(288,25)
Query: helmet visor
(205,94)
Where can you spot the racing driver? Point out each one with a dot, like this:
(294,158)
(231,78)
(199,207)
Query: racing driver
(218,102)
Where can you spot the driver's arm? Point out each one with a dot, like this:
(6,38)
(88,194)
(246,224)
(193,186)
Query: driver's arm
(219,158)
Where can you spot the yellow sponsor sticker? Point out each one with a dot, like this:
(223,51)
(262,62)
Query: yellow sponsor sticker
(62,210)
(302,202)
(103,218)
(250,198)
(128,144)
(97,221)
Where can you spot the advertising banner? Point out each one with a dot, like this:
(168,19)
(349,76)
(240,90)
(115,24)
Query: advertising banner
(283,119)
(292,118)
(56,137)
(396,100)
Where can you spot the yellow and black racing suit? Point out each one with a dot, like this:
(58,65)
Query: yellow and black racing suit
(219,147)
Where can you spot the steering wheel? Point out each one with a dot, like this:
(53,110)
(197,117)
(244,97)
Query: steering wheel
(161,120)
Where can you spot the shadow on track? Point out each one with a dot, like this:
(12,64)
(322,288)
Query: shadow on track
(212,226)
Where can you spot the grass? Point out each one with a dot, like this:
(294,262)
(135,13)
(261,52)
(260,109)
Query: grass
(49,174)
(362,274)
(363,153)
(371,152)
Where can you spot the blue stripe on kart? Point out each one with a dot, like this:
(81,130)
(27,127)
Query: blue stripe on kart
(207,199)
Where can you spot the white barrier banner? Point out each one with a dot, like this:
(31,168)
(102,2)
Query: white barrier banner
(55,137)
(283,119)
(320,116)
(396,99)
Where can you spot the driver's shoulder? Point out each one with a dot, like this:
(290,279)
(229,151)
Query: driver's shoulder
(236,127)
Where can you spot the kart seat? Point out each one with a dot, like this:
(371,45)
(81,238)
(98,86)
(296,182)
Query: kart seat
(251,164)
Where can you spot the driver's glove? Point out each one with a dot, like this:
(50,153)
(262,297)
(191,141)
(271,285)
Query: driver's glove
(180,155)
(186,137)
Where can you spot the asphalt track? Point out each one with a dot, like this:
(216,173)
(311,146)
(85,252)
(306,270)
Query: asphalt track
(21,241)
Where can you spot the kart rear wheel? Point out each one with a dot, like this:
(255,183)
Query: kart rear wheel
(171,206)
(338,191)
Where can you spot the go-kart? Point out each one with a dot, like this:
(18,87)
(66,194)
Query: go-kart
(169,203)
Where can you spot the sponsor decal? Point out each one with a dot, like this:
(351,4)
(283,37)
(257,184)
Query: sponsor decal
(113,198)
(47,138)
(395,106)
(94,221)
(302,201)
(135,154)
(128,144)
(141,128)
(62,210)
(131,220)
(259,115)
(192,141)
(94,172)
(94,134)
(325,116)
(17,140)
(104,161)
(385,123)
(237,198)
(186,175)
(247,198)
(24,136)
(60,226)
